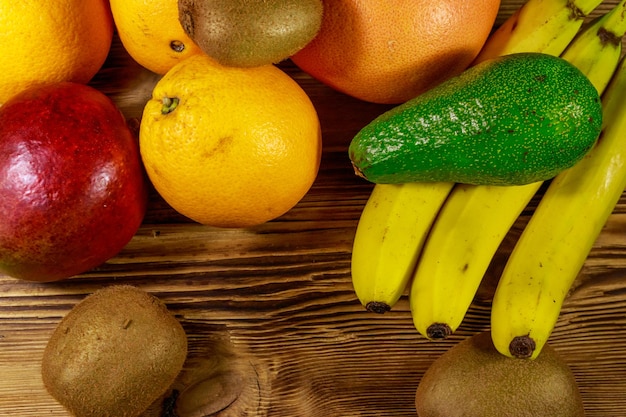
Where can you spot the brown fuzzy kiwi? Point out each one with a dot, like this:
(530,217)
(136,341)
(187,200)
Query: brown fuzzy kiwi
(473,379)
(249,33)
(114,353)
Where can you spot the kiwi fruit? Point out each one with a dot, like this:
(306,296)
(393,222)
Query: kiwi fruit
(472,379)
(114,354)
(249,33)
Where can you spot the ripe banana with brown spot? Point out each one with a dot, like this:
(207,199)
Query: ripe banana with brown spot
(379,275)
(597,49)
(553,247)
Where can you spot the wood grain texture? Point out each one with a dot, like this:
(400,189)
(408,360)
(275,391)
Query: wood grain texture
(276,301)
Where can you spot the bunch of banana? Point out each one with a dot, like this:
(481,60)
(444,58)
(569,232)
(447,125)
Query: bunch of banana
(475,219)
(597,49)
(560,234)
(545,26)
(397,219)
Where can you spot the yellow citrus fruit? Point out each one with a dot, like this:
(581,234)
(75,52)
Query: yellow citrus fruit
(48,41)
(230,147)
(151,33)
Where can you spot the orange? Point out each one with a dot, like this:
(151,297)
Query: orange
(48,41)
(393,50)
(151,33)
(230,147)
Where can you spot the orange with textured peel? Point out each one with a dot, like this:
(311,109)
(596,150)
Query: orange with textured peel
(228,146)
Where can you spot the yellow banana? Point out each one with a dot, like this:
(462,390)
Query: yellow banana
(389,237)
(605,33)
(545,26)
(456,256)
(475,219)
(560,234)
(379,277)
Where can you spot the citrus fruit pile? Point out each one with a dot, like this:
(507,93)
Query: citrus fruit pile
(225,146)
(228,139)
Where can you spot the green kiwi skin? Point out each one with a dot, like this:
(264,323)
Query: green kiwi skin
(114,354)
(250,33)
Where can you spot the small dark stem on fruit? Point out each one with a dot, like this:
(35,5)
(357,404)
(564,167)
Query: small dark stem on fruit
(438,331)
(522,347)
(169,104)
(377,307)
(177,46)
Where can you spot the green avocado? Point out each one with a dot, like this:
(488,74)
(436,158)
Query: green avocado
(512,120)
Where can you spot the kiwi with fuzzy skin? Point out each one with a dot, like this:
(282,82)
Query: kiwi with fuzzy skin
(472,379)
(114,354)
(249,33)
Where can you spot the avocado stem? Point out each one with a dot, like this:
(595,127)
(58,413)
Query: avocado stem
(358,172)
(169,104)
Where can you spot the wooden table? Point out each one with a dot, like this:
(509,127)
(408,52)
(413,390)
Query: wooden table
(275,302)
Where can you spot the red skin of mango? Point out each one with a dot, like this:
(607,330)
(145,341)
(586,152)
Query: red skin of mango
(72,188)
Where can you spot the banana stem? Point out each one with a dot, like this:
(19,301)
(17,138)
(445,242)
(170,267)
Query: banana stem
(546,26)
(522,347)
(582,8)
